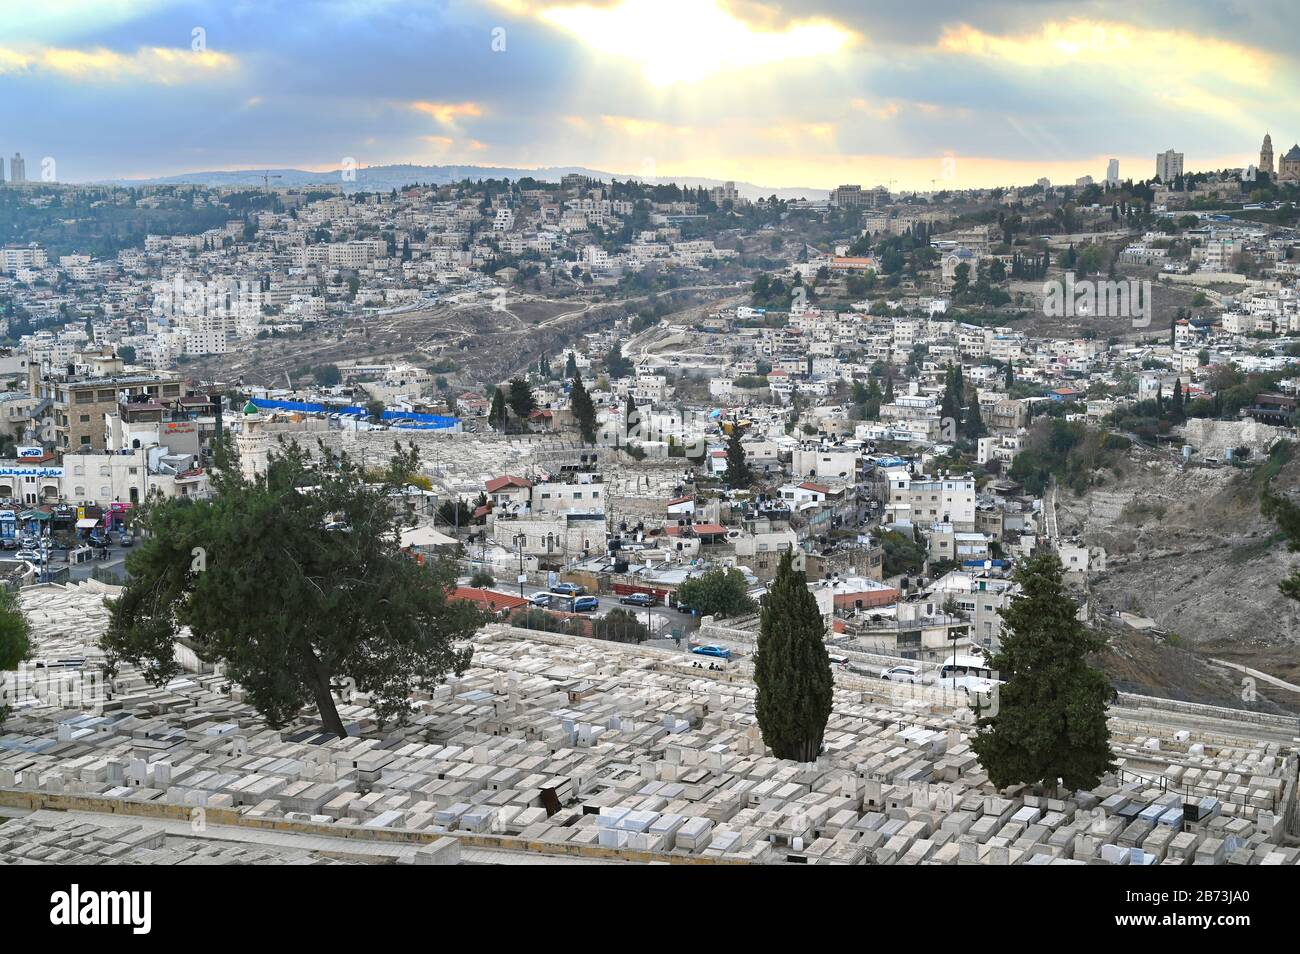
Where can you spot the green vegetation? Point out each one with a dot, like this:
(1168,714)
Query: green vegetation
(1068,450)
(902,554)
(1048,726)
(584,411)
(315,601)
(717,593)
(791,668)
(15,639)
(1284,512)
(738,476)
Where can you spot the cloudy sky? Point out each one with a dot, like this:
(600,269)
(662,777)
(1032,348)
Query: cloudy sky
(780,94)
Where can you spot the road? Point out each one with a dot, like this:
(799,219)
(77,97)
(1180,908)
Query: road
(58,558)
(662,620)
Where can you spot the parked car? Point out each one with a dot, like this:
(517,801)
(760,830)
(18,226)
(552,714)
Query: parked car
(643,600)
(902,674)
(586,604)
(569,589)
(31,556)
(97,539)
(540,599)
(683,608)
(721,652)
(8,543)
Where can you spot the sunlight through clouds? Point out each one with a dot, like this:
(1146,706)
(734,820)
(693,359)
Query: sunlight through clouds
(689,41)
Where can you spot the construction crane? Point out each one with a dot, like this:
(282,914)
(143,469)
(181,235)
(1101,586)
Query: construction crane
(266,180)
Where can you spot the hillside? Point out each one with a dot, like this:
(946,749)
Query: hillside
(1188,547)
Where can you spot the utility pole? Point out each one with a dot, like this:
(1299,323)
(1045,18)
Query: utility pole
(519,545)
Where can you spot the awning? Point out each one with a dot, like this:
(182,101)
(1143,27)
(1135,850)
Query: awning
(425,537)
(88,523)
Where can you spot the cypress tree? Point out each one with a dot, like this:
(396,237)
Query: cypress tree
(498,415)
(738,475)
(1049,724)
(950,406)
(973,427)
(791,668)
(583,410)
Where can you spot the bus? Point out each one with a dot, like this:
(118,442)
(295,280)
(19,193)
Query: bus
(970,673)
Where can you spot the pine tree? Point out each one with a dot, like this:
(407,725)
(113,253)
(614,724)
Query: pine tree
(520,398)
(791,668)
(498,415)
(314,603)
(1011,374)
(584,412)
(571,367)
(1050,721)
(889,386)
(738,475)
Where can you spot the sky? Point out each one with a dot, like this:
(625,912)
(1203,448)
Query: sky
(946,93)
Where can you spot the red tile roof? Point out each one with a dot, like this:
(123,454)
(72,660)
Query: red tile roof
(487,599)
(498,483)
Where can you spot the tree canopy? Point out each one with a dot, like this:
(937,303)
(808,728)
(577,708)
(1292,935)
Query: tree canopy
(791,668)
(738,476)
(1049,725)
(292,581)
(15,638)
(584,411)
(721,592)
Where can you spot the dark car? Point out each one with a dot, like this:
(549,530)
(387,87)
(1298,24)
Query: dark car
(644,600)
(586,604)
(569,589)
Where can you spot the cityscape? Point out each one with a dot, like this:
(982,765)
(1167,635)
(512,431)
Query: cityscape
(600,442)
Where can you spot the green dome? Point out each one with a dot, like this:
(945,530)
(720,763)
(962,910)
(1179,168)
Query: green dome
(251,408)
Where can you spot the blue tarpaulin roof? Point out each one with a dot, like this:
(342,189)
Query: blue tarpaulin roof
(416,421)
(305,407)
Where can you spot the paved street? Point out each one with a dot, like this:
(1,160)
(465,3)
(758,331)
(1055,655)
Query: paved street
(58,558)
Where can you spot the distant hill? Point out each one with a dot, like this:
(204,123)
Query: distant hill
(385,178)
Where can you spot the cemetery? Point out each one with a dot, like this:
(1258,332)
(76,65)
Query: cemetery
(559,749)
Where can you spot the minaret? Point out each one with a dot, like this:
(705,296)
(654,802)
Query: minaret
(1266,155)
(253,443)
